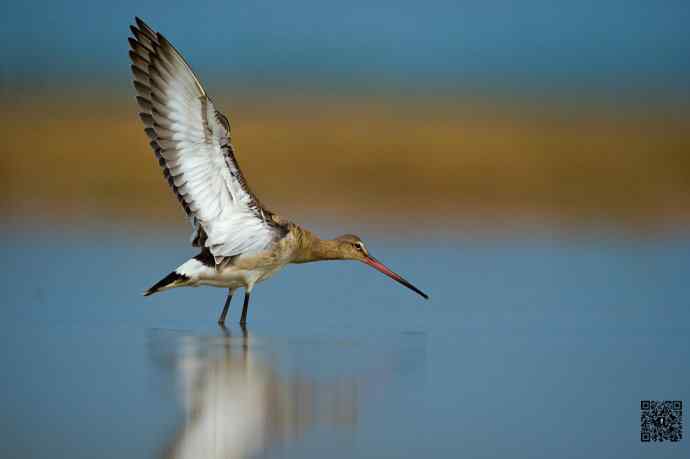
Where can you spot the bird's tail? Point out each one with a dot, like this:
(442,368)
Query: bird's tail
(186,274)
(174,279)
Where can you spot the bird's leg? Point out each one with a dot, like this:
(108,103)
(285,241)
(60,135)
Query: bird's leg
(245,308)
(221,319)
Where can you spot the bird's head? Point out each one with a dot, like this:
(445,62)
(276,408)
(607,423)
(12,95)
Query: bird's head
(351,247)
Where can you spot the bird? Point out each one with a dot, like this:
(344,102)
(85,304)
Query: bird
(241,242)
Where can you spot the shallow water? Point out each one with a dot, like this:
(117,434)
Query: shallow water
(528,347)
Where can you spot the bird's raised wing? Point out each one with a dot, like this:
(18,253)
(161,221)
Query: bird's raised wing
(192,143)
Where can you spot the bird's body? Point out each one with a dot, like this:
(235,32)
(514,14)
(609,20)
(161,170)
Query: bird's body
(242,242)
(244,270)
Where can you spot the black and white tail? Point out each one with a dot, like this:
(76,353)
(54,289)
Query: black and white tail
(174,279)
(187,274)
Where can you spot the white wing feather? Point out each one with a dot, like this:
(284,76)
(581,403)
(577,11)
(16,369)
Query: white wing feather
(192,142)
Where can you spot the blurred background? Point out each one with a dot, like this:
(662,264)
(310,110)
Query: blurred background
(525,163)
(495,113)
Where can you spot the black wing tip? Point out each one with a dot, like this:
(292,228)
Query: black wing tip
(165,44)
(141,23)
(141,29)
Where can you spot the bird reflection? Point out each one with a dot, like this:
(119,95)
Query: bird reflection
(237,405)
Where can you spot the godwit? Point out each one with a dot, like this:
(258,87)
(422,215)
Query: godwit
(242,243)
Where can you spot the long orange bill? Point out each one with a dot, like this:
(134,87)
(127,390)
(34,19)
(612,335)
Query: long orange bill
(374,263)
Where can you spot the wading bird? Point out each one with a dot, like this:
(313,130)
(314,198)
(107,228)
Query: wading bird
(242,243)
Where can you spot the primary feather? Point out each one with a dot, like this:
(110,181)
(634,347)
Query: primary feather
(191,140)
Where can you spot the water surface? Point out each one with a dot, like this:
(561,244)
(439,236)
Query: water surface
(528,347)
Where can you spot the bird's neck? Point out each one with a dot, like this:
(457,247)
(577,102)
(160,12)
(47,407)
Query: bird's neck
(313,248)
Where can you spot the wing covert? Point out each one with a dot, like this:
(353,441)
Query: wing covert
(191,140)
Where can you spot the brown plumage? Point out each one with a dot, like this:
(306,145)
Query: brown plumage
(242,242)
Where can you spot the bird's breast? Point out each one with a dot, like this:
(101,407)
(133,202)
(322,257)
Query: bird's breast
(247,269)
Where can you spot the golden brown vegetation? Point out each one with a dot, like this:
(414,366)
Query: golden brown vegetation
(363,159)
